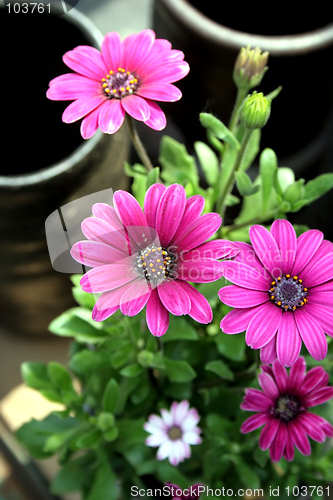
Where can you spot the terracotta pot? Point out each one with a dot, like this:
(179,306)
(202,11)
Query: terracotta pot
(45,164)
(300,55)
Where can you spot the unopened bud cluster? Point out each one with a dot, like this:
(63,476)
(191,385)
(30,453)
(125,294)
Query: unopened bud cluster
(250,67)
(255,111)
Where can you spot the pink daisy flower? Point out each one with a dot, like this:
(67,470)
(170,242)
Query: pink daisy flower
(147,257)
(125,77)
(283,408)
(282,292)
(190,493)
(174,432)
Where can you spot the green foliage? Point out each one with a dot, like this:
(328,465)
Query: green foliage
(216,127)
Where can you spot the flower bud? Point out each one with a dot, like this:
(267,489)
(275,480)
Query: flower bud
(250,67)
(105,421)
(255,111)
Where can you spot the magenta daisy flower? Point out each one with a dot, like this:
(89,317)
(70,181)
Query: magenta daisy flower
(190,493)
(125,77)
(174,432)
(148,258)
(282,292)
(283,408)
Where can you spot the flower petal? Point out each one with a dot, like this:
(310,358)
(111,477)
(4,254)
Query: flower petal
(254,422)
(268,352)
(156,315)
(263,326)
(268,385)
(94,253)
(112,51)
(215,249)
(299,437)
(169,212)
(174,298)
(193,209)
(159,91)
(248,256)
(280,376)
(323,316)
(81,107)
(312,379)
(257,400)
(285,236)
(136,47)
(108,301)
(236,296)
(152,199)
(99,230)
(247,276)
(89,124)
(318,397)
(157,119)
(266,249)
(135,297)
(180,411)
(278,445)
(312,429)
(312,334)
(238,320)
(86,61)
(136,107)
(164,450)
(169,72)
(111,116)
(296,375)
(289,450)
(108,214)
(288,342)
(108,277)
(200,309)
(128,209)
(268,433)
(320,272)
(206,270)
(307,245)
(72,86)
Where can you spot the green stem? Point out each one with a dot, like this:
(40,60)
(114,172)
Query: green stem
(139,147)
(241,93)
(250,222)
(227,188)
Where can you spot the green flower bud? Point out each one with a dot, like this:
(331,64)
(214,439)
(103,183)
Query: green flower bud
(105,421)
(145,358)
(255,111)
(250,67)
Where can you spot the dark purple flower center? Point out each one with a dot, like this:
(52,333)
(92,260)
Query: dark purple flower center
(288,292)
(286,408)
(174,433)
(119,84)
(156,264)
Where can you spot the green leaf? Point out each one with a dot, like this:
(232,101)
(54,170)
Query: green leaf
(231,200)
(218,128)
(208,161)
(137,434)
(111,434)
(268,172)
(244,184)
(180,329)
(131,370)
(152,177)
(247,475)
(34,434)
(76,322)
(56,441)
(231,346)
(139,188)
(317,187)
(251,151)
(260,457)
(70,478)
(135,170)
(111,396)
(178,166)
(52,395)
(75,279)
(167,472)
(35,375)
(83,298)
(86,361)
(59,376)
(89,439)
(218,145)
(220,369)
(295,192)
(104,486)
(178,371)
(285,177)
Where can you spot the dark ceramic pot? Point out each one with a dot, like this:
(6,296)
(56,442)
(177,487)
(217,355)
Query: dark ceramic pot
(45,164)
(211,38)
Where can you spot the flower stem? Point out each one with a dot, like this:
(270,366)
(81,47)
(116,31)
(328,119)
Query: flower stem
(227,188)
(139,147)
(241,93)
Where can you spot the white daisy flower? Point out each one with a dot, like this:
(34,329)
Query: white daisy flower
(174,432)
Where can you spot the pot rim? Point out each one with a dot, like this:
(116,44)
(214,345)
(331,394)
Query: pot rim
(95,36)
(286,45)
